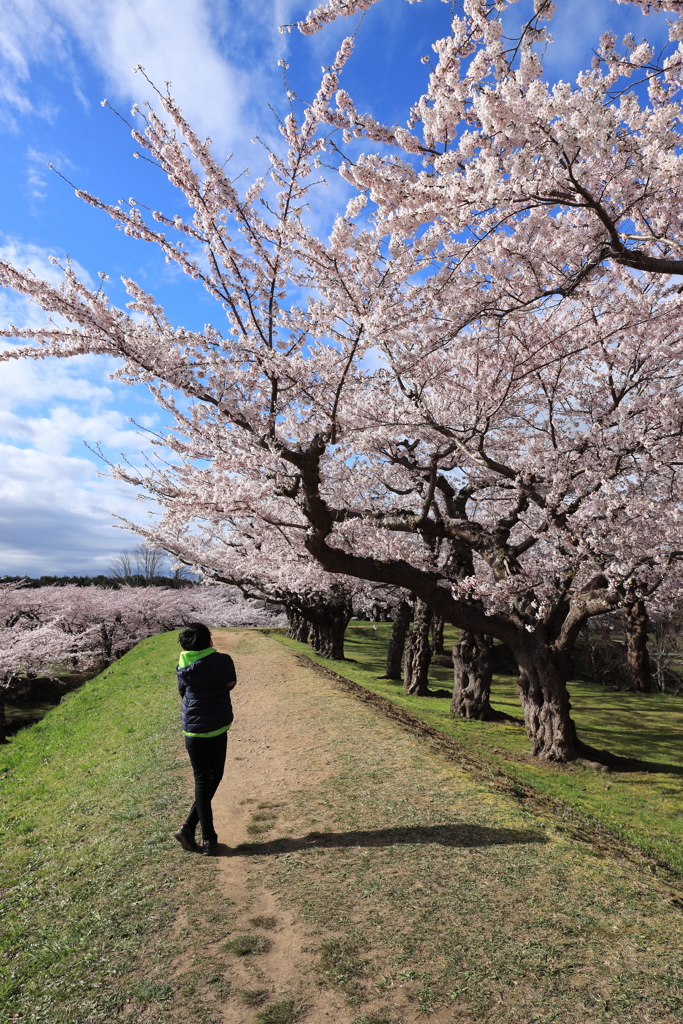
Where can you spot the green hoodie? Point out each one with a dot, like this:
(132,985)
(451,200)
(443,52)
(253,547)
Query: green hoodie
(187,657)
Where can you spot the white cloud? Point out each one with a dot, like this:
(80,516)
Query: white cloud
(55,508)
(56,515)
(24,254)
(198,45)
(19,309)
(80,379)
(38,170)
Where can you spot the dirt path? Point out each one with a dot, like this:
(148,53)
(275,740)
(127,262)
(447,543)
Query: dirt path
(275,743)
(388,884)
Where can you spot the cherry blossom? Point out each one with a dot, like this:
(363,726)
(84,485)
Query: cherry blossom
(473,394)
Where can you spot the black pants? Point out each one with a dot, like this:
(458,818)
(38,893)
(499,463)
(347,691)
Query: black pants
(207,757)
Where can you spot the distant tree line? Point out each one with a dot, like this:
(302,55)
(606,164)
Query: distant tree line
(144,566)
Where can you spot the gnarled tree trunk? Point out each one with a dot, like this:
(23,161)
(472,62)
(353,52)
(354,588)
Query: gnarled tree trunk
(542,687)
(328,625)
(437,634)
(418,653)
(472,670)
(637,655)
(298,625)
(397,639)
(379,611)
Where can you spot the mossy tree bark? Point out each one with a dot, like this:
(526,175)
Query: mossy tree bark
(542,687)
(418,653)
(328,626)
(472,671)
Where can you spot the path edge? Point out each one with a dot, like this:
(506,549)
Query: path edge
(561,816)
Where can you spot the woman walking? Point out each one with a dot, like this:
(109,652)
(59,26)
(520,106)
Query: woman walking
(205,679)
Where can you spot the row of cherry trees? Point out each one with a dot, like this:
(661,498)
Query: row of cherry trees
(472,390)
(66,629)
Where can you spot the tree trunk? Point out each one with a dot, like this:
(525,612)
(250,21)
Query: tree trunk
(379,612)
(418,653)
(328,625)
(437,635)
(542,687)
(397,640)
(637,656)
(298,625)
(328,640)
(472,670)
(3,721)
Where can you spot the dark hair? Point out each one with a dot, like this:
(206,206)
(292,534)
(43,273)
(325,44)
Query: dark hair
(195,637)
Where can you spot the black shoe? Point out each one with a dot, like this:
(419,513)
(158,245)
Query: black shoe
(186,839)
(209,847)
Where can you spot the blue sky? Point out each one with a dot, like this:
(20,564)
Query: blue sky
(58,60)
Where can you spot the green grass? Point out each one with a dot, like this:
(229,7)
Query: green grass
(91,879)
(421,880)
(282,1011)
(642,808)
(342,965)
(245,945)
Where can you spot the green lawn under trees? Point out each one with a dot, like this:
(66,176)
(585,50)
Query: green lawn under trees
(642,808)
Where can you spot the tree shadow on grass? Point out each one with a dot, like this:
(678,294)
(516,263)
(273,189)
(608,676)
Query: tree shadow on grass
(440,835)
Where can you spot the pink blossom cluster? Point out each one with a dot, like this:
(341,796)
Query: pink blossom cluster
(71,628)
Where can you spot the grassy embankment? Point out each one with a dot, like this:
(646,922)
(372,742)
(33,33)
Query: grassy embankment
(641,808)
(91,883)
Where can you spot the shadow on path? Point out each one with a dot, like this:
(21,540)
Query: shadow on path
(442,835)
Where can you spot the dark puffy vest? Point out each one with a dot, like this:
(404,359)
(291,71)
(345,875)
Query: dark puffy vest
(205,687)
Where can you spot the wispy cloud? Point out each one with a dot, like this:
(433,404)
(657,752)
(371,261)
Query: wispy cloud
(199,46)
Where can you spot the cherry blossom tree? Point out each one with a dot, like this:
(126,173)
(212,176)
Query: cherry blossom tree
(475,393)
(268,565)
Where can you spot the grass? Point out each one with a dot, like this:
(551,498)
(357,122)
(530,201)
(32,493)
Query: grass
(91,881)
(263,922)
(152,992)
(253,996)
(342,965)
(263,818)
(641,808)
(245,945)
(282,1011)
(424,886)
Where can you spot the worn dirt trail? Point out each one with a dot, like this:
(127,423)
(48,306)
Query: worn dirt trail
(283,737)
